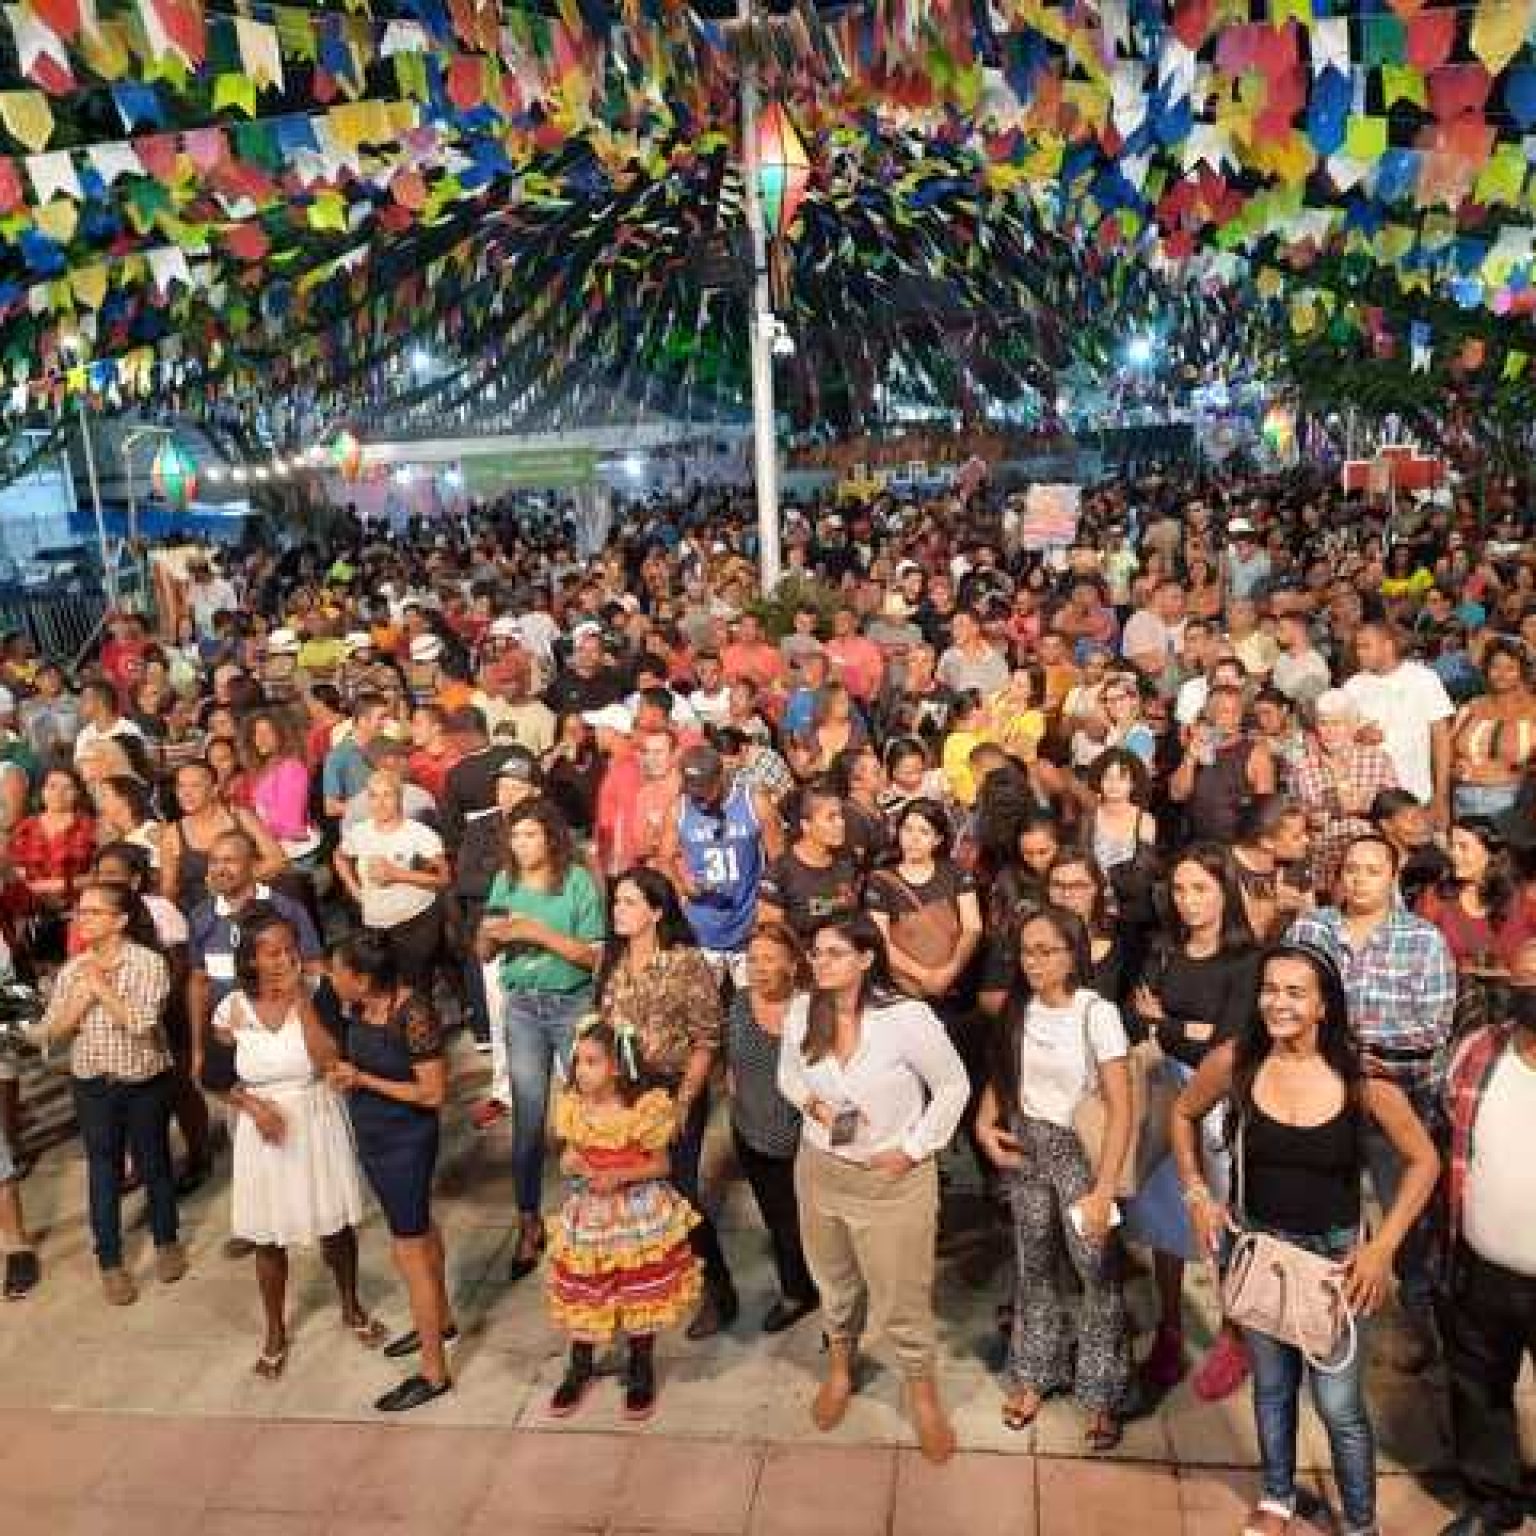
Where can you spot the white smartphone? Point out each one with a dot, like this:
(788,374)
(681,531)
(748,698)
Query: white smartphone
(1076,1215)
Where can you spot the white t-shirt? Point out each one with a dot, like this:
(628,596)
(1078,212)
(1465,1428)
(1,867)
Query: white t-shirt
(90,734)
(1501,1179)
(1403,704)
(1055,1072)
(1300,677)
(1146,633)
(387,906)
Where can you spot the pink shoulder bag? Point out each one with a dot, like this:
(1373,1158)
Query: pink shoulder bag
(1288,1292)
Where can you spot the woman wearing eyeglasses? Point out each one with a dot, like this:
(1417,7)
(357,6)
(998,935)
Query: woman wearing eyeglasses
(111,1000)
(1059,1043)
(881,1091)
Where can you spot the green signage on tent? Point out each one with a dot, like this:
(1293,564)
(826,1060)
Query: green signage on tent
(534,470)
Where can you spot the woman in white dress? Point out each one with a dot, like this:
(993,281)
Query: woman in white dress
(296,1180)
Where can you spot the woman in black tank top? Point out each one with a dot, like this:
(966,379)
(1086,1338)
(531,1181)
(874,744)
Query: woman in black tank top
(1297,1101)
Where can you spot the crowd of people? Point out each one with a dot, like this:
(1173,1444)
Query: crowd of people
(1180,878)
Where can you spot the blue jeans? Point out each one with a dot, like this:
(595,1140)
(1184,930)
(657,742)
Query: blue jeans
(1339,1398)
(541,1035)
(1484,800)
(114,1117)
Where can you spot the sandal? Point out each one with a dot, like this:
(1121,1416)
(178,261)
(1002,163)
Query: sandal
(1102,1432)
(369,1332)
(1022,1409)
(270,1367)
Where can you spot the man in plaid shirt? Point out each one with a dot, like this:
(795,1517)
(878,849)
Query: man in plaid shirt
(1401,984)
(1336,781)
(1488,1305)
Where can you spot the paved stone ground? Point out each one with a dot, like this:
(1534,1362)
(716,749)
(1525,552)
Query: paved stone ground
(150,1417)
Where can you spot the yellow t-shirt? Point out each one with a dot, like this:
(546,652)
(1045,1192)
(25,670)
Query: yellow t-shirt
(956,763)
(1018,732)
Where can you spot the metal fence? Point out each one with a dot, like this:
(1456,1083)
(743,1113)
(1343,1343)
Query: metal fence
(59,625)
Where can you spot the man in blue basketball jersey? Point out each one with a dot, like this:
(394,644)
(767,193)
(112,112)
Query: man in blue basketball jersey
(716,848)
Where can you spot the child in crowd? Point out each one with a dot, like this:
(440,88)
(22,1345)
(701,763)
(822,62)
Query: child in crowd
(620,1258)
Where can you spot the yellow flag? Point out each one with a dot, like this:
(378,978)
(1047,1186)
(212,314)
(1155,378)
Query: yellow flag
(1365,138)
(27,117)
(1401,82)
(90,284)
(231,90)
(105,49)
(58,220)
(1514,363)
(1291,159)
(328,211)
(1503,178)
(1498,31)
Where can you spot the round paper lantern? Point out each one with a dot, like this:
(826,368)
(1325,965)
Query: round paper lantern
(1279,430)
(347,454)
(173,473)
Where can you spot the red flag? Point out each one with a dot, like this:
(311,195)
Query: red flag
(12,196)
(184,28)
(61,17)
(1457,89)
(1192,21)
(1430,37)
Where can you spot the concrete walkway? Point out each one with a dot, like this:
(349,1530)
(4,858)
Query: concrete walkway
(150,1416)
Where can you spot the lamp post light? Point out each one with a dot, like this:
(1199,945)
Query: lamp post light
(776,171)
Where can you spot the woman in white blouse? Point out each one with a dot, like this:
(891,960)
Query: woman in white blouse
(881,1091)
(1059,1043)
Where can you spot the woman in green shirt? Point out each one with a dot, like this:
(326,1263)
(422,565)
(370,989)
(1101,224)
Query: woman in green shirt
(544,920)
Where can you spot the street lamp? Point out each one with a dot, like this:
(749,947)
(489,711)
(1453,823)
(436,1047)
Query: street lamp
(131,440)
(776,173)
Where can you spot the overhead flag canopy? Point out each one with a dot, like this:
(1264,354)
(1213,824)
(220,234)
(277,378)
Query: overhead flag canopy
(244,207)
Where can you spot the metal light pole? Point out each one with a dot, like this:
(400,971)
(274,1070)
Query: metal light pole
(108,562)
(763,324)
(130,441)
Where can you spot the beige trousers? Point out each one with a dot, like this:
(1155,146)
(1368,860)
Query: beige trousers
(869,1240)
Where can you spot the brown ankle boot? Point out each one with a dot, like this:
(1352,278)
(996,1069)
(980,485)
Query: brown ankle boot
(935,1434)
(836,1390)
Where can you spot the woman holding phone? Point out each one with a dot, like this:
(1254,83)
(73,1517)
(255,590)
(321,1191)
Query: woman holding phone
(881,1091)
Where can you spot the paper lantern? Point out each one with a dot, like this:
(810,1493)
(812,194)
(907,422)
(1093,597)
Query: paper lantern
(1279,430)
(347,454)
(783,169)
(173,473)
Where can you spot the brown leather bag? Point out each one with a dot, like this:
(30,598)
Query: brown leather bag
(1153,1090)
(928,931)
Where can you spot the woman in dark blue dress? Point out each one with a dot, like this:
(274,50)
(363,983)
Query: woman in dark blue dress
(395,1080)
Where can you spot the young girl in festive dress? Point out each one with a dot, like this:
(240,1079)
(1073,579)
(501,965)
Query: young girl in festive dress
(620,1256)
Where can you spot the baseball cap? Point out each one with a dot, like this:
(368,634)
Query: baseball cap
(519,764)
(611,717)
(1239,526)
(426,648)
(358,640)
(505,628)
(701,766)
(282,642)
